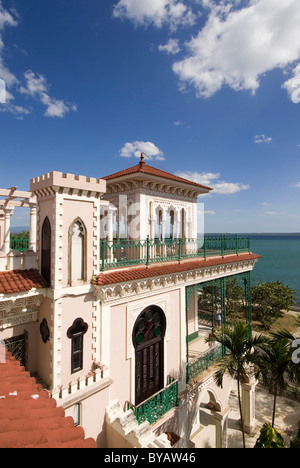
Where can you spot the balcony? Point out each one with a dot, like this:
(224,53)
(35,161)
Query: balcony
(203,361)
(21,244)
(123,252)
(157,405)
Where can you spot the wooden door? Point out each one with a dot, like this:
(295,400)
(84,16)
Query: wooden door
(148,338)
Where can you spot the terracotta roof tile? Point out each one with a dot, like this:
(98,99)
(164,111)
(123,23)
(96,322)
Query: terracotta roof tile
(16,281)
(141,272)
(29,418)
(146,169)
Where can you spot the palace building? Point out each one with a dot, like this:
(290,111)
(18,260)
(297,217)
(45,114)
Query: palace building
(110,301)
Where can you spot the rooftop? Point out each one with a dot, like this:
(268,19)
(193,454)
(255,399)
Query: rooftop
(16,281)
(143,168)
(141,272)
(28,417)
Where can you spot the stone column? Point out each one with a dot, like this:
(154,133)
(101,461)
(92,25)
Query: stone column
(33,225)
(221,421)
(177,224)
(7,214)
(110,235)
(248,405)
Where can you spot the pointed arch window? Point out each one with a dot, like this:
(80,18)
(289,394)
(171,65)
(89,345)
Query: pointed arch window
(77,252)
(46,251)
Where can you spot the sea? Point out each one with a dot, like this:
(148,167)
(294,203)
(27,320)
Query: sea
(280,259)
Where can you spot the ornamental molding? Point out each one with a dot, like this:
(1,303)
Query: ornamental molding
(151,189)
(20,310)
(119,293)
(15,320)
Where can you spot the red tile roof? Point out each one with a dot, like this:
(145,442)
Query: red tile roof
(16,281)
(142,167)
(141,272)
(29,418)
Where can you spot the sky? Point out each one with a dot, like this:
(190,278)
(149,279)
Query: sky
(208,90)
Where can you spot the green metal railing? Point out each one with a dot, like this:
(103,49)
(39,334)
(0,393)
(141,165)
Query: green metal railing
(123,252)
(21,244)
(157,405)
(203,362)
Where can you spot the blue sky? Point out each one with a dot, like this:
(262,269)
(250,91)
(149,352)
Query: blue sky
(210,90)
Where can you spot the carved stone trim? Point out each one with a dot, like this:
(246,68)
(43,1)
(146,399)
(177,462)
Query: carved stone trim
(15,320)
(120,292)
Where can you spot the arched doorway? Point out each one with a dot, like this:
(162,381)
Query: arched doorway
(148,340)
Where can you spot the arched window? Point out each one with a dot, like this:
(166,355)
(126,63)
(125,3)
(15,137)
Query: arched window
(77,252)
(76,333)
(148,340)
(46,251)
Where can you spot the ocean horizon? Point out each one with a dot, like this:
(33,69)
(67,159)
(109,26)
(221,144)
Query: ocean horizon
(280,256)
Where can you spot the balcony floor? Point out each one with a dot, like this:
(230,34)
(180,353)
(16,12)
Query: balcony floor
(198,345)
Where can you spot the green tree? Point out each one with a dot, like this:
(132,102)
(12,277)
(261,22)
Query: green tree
(242,351)
(234,298)
(269,300)
(269,438)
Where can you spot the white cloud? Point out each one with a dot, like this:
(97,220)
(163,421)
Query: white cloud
(36,86)
(6,19)
(226,188)
(258,139)
(297,185)
(208,178)
(154,12)
(171,47)
(203,178)
(135,149)
(238,45)
(293,85)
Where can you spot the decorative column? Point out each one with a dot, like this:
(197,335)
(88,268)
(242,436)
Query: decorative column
(7,214)
(221,421)
(178,224)
(110,234)
(163,234)
(33,227)
(248,405)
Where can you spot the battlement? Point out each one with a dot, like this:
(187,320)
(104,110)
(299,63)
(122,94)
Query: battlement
(71,181)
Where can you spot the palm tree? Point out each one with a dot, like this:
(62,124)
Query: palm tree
(277,366)
(277,363)
(241,352)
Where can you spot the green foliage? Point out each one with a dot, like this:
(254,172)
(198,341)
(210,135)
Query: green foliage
(242,350)
(20,235)
(269,300)
(295,443)
(234,298)
(269,438)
